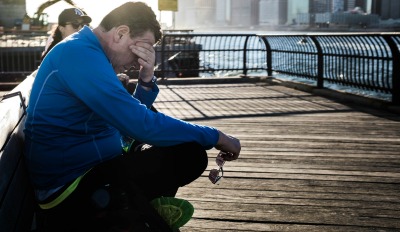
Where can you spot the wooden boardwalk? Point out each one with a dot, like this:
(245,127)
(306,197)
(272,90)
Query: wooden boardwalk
(308,163)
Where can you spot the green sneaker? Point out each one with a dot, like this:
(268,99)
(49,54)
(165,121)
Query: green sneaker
(176,212)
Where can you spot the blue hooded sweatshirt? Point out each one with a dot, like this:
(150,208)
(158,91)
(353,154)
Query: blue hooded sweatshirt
(78,110)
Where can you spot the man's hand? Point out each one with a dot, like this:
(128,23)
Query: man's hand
(123,78)
(230,145)
(146,59)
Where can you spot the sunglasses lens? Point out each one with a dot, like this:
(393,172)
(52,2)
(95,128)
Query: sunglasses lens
(214,176)
(217,180)
(220,161)
(77,25)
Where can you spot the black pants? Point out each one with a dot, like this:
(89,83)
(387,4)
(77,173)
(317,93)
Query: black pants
(149,173)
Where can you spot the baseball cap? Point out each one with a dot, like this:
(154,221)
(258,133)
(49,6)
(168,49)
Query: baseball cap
(71,15)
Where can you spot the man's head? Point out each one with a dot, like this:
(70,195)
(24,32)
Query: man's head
(128,34)
(138,16)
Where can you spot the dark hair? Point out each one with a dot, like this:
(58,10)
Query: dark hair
(138,16)
(57,37)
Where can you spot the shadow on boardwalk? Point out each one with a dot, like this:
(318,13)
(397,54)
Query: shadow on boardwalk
(308,163)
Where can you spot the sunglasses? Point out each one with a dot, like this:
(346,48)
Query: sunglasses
(76,25)
(216,175)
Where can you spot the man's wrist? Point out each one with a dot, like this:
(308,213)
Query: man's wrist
(149,84)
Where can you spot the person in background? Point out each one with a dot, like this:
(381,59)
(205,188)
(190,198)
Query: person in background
(70,21)
(77,113)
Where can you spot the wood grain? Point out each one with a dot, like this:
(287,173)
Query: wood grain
(308,163)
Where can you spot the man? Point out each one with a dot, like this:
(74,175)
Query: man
(77,113)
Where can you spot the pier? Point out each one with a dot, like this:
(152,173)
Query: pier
(313,159)
(309,162)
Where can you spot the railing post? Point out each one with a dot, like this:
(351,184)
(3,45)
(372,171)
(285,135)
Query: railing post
(162,57)
(245,55)
(268,55)
(320,63)
(395,69)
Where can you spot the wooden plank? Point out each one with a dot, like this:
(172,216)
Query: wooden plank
(300,215)
(325,197)
(381,190)
(308,163)
(215,225)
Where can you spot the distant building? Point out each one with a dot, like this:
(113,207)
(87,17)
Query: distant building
(217,13)
(195,13)
(242,14)
(273,12)
(12,12)
(387,9)
(295,10)
(331,6)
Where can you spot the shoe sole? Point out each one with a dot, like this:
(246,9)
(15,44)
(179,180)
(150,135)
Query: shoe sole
(176,212)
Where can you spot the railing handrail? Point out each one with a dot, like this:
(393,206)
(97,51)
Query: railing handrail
(386,76)
(327,33)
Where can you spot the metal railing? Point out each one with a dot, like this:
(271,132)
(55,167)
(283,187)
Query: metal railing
(20,53)
(190,54)
(369,61)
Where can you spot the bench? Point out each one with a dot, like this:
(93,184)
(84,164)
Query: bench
(17,204)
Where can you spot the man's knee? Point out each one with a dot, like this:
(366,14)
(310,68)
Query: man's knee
(196,159)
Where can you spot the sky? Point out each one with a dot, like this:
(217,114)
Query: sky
(96,9)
